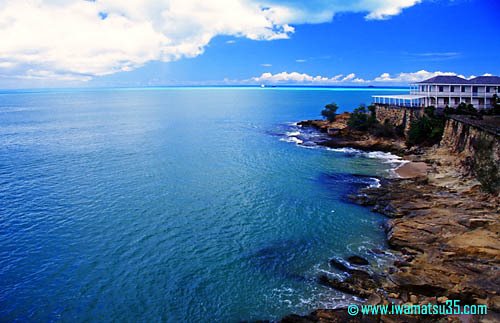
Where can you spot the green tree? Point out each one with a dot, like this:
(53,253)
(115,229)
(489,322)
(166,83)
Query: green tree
(360,119)
(330,111)
(466,109)
(495,103)
(448,110)
(430,111)
(486,169)
(426,130)
(373,111)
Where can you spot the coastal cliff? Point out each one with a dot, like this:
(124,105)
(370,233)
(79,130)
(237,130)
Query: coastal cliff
(443,225)
(476,147)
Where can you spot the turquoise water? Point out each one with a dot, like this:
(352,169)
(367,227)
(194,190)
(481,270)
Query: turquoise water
(174,204)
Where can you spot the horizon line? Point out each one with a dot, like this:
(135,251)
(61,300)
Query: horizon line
(257,86)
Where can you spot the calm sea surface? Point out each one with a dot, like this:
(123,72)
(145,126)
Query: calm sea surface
(176,204)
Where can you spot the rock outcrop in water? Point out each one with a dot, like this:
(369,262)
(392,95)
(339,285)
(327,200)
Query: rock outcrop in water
(346,138)
(445,227)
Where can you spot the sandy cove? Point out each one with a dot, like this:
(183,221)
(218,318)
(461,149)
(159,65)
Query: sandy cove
(444,229)
(412,169)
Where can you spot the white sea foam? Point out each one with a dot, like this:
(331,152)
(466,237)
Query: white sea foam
(309,139)
(386,157)
(293,133)
(376,184)
(346,150)
(292,139)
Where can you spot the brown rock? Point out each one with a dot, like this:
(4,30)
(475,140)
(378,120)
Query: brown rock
(357,260)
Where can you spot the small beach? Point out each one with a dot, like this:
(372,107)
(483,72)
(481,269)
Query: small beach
(411,169)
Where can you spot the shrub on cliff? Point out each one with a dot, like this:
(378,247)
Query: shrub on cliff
(430,111)
(426,130)
(486,169)
(495,107)
(463,109)
(330,112)
(466,109)
(364,119)
(496,104)
(448,110)
(386,130)
(359,119)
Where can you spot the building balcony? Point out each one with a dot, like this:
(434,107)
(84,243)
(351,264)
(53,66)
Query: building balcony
(455,94)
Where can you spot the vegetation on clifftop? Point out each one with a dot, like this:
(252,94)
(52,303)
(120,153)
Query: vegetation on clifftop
(468,109)
(426,130)
(364,119)
(485,167)
(360,119)
(330,111)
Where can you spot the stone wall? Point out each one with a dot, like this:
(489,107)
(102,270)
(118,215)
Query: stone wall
(397,116)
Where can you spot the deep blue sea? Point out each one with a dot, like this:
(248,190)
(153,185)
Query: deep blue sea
(176,204)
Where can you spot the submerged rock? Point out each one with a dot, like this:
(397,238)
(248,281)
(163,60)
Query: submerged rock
(357,260)
(359,283)
(338,265)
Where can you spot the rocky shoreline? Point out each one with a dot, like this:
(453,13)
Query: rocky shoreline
(443,227)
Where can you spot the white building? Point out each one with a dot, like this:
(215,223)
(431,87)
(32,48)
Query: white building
(442,91)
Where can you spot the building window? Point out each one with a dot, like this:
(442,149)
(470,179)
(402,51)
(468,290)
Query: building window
(463,88)
(452,89)
(487,89)
(474,89)
(440,89)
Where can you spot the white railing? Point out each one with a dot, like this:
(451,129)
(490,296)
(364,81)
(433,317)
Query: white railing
(455,94)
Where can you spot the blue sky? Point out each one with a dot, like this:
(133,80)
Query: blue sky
(148,43)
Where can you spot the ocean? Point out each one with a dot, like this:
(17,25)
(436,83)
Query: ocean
(177,204)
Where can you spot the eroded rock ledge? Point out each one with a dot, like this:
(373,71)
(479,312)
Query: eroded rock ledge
(345,138)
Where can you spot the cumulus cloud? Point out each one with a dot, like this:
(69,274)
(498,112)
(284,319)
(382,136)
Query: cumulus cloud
(84,39)
(384,78)
(412,77)
(304,78)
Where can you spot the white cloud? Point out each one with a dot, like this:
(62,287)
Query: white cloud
(303,78)
(7,64)
(412,77)
(266,65)
(384,78)
(301,60)
(56,38)
(386,9)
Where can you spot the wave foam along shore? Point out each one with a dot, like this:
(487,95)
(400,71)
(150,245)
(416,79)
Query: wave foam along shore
(305,138)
